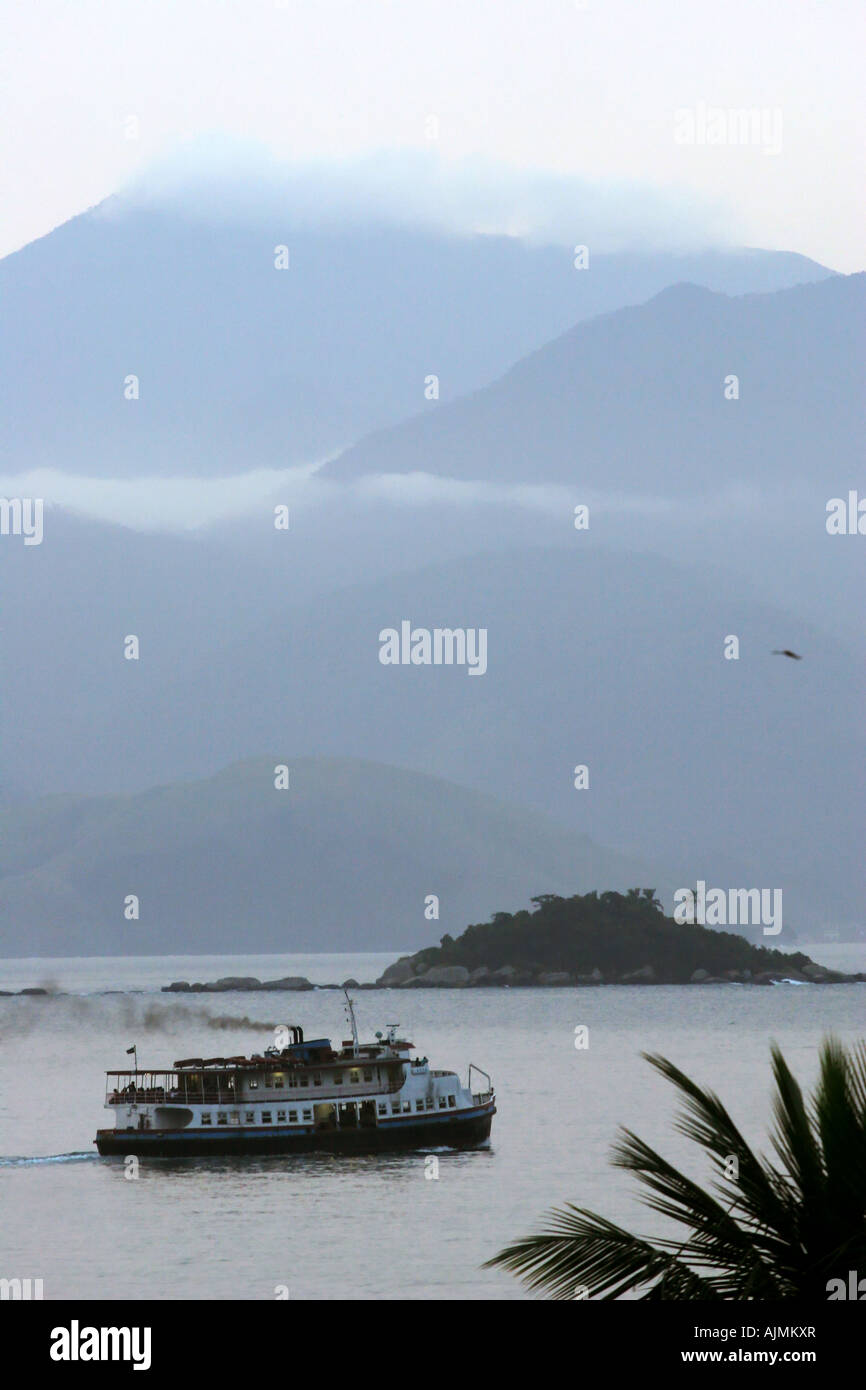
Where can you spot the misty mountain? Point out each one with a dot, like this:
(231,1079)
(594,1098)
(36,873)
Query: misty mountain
(746,772)
(635,401)
(241,365)
(258,644)
(342,860)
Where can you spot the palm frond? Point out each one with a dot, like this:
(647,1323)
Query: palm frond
(761,1192)
(794,1138)
(840,1120)
(716,1240)
(581,1250)
(760,1232)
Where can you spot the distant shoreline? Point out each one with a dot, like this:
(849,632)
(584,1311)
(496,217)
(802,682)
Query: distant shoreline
(39,993)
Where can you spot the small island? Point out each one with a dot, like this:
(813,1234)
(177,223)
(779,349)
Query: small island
(596,939)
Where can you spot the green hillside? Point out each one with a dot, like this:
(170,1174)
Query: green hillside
(605,937)
(344,859)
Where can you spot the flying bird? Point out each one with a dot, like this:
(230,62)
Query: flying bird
(786,652)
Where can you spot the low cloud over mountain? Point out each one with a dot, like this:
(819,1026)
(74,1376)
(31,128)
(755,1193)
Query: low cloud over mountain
(221,329)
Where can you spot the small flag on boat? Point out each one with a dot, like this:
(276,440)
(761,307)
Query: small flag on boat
(130,1049)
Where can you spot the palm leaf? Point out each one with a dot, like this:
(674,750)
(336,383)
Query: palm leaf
(760,1192)
(716,1240)
(762,1231)
(581,1250)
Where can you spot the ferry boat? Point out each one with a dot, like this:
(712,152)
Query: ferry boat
(300,1098)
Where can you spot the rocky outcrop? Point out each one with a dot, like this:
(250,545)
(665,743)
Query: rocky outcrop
(815,972)
(398,973)
(245,983)
(509,975)
(420,972)
(289,982)
(415,972)
(439,977)
(235,982)
(596,978)
(645,976)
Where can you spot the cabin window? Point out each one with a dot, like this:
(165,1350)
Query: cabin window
(338,1078)
(317,1081)
(279,1082)
(383,1109)
(308,1114)
(293,1081)
(452,1102)
(293,1117)
(407,1106)
(419,1105)
(395,1107)
(266,1117)
(205,1119)
(222,1117)
(442,1103)
(253,1085)
(354,1078)
(250,1117)
(368,1073)
(281,1117)
(429,1102)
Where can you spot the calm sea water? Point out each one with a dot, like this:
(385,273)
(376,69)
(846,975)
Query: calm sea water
(362,1227)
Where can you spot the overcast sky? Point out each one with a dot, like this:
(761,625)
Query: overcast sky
(581,87)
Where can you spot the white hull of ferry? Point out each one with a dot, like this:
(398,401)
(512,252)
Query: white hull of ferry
(465,1128)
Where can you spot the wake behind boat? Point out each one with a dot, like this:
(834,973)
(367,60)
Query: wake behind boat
(300,1098)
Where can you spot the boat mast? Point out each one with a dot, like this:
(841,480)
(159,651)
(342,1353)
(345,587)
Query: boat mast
(350,1013)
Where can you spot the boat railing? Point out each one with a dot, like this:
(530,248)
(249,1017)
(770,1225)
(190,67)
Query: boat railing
(142,1095)
(158,1095)
(481,1072)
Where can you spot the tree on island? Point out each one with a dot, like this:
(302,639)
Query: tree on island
(610,932)
(795,1230)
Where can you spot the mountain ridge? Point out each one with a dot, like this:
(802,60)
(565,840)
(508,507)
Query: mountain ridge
(636,395)
(241,365)
(351,848)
